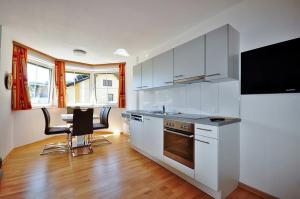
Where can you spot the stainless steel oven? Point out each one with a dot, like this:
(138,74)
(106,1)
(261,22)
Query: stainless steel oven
(179,142)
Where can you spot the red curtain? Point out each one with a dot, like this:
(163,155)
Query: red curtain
(20,94)
(60,82)
(122,99)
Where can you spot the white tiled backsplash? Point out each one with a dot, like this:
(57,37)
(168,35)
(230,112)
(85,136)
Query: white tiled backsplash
(221,99)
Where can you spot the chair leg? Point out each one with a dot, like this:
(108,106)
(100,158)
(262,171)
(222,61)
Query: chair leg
(56,147)
(87,144)
(100,141)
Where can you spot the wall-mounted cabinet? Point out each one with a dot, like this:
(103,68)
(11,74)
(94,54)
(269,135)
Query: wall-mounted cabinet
(163,69)
(212,57)
(189,59)
(137,77)
(147,74)
(222,54)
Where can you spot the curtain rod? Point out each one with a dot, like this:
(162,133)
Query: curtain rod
(64,60)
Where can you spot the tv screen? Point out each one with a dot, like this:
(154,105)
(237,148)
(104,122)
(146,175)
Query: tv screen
(271,69)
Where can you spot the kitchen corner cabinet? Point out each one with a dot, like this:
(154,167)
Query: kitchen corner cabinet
(222,54)
(217,157)
(137,77)
(189,59)
(163,69)
(147,74)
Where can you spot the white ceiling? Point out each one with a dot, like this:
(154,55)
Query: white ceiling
(100,27)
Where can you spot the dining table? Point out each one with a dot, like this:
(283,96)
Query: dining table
(68,118)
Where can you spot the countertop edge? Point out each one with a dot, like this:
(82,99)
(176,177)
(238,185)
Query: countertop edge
(204,121)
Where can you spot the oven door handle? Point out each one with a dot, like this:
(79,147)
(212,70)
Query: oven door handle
(181,134)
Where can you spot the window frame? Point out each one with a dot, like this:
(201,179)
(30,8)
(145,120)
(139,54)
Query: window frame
(50,86)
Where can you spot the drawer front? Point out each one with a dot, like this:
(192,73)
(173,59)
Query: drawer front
(207,131)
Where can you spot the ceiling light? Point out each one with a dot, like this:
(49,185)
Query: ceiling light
(121,52)
(79,52)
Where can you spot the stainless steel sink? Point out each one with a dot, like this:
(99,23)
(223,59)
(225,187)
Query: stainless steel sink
(166,113)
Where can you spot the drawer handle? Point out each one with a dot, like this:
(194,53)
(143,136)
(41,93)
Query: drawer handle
(213,75)
(202,141)
(145,86)
(178,76)
(169,82)
(139,87)
(204,129)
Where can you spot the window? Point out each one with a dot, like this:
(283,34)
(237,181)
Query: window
(107,88)
(107,82)
(110,97)
(39,80)
(78,88)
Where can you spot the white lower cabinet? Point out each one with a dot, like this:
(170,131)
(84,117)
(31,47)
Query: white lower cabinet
(217,158)
(147,136)
(136,133)
(206,161)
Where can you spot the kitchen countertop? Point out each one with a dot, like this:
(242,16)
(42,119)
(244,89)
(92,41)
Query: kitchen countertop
(191,118)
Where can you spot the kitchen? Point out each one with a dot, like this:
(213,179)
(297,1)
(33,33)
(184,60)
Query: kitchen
(199,143)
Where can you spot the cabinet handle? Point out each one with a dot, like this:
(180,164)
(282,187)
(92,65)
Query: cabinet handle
(169,82)
(202,141)
(145,86)
(213,75)
(139,87)
(204,129)
(178,75)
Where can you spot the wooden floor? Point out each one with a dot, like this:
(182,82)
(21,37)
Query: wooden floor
(112,171)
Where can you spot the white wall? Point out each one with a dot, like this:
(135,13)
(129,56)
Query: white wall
(6,118)
(270,135)
(29,125)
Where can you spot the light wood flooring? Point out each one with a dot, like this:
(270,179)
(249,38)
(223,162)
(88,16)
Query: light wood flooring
(112,171)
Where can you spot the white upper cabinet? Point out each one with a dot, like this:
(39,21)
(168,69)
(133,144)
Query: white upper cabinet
(189,59)
(137,77)
(222,54)
(163,69)
(147,74)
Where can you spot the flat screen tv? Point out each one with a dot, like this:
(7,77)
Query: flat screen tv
(271,69)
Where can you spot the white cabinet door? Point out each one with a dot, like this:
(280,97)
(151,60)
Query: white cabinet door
(189,59)
(222,53)
(153,136)
(147,74)
(163,69)
(217,53)
(206,161)
(136,128)
(137,77)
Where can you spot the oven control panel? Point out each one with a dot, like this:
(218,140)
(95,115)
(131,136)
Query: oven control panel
(180,125)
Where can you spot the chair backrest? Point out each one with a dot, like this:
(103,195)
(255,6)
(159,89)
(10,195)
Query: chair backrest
(82,122)
(104,114)
(47,119)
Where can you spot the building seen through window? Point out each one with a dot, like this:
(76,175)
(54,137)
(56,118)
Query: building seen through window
(39,82)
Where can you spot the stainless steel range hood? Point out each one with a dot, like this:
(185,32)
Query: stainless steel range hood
(190,80)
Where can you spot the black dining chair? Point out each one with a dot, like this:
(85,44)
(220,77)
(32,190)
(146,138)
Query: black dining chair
(55,130)
(103,124)
(82,126)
